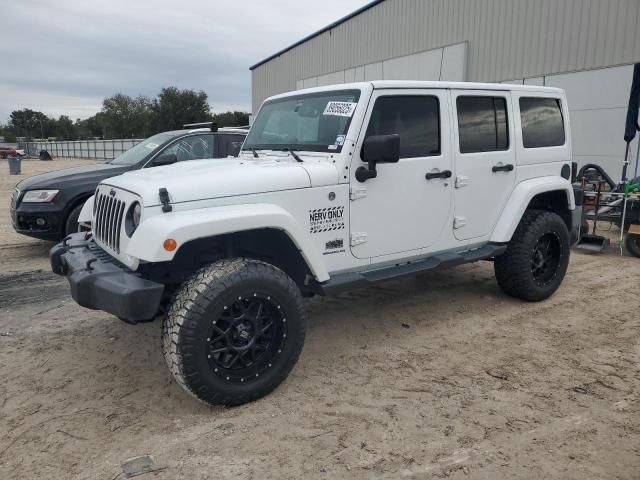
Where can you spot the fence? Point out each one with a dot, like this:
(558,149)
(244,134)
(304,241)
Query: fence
(94,149)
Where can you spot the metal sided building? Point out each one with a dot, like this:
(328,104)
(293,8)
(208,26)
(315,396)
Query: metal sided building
(587,47)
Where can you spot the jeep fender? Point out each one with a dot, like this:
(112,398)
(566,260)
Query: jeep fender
(147,241)
(86,213)
(519,201)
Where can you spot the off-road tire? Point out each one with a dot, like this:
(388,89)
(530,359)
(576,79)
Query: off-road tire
(515,268)
(201,300)
(632,244)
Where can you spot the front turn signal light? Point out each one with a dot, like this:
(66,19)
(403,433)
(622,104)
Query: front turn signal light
(170,244)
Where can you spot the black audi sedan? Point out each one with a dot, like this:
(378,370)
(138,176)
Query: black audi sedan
(47,206)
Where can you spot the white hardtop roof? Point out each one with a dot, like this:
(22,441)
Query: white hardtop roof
(417,84)
(377,84)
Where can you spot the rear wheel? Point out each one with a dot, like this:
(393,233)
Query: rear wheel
(536,260)
(632,244)
(234,331)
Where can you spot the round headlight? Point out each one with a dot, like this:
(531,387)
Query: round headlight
(137,213)
(132,219)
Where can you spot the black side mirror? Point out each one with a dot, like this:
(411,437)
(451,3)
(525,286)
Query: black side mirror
(165,159)
(378,149)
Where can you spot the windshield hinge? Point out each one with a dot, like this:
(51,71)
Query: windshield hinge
(357,192)
(459,222)
(164,199)
(358,238)
(462,181)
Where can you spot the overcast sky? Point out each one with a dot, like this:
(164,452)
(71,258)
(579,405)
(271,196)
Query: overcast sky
(64,57)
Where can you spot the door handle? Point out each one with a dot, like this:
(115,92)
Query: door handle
(442,174)
(502,168)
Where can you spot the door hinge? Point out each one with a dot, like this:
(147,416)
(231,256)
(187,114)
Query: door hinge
(462,181)
(459,222)
(358,192)
(358,238)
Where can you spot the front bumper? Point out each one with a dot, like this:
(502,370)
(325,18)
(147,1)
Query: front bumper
(100,282)
(24,218)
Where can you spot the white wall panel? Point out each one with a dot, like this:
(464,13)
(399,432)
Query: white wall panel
(299,84)
(310,82)
(534,81)
(600,88)
(359,74)
(598,132)
(454,63)
(350,75)
(420,66)
(373,71)
(331,79)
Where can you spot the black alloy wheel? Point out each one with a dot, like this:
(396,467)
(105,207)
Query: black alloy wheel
(247,336)
(546,258)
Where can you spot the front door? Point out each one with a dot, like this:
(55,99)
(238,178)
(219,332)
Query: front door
(485,160)
(402,210)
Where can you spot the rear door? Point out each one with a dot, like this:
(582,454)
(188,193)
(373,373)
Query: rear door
(485,160)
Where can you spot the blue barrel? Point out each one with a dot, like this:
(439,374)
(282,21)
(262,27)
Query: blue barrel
(15,164)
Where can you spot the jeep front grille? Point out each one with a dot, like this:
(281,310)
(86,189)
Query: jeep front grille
(109,213)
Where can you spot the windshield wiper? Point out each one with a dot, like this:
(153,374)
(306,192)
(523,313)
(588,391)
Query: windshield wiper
(293,154)
(253,150)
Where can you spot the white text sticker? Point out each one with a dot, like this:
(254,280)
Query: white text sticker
(340,109)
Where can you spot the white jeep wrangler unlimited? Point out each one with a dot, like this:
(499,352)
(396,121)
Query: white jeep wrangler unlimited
(336,187)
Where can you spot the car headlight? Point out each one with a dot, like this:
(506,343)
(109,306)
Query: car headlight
(39,196)
(133,218)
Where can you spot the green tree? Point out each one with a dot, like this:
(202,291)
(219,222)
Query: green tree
(174,108)
(89,127)
(231,119)
(65,129)
(30,123)
(125,117)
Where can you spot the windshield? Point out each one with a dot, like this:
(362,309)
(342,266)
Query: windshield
(140,151)
(314,122)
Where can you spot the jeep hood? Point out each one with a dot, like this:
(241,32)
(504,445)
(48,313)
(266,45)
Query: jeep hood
(216,178)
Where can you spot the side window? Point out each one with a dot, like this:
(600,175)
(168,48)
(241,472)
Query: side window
(192,148)
(542,124)
(229,145)
(415,118)
(482,124)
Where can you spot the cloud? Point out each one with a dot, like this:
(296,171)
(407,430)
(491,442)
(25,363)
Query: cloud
(63,58)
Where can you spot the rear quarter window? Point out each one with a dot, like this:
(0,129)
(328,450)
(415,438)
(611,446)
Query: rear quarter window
(542,122)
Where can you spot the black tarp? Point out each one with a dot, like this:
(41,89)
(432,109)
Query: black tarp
(634,103)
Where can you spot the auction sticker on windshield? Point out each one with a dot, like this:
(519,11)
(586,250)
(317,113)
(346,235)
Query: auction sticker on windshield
(340,109)
(151,145)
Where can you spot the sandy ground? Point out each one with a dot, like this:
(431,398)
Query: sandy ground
(436,376)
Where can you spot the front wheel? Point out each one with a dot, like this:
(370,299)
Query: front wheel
(536,260)
(234,331)
(71,224)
